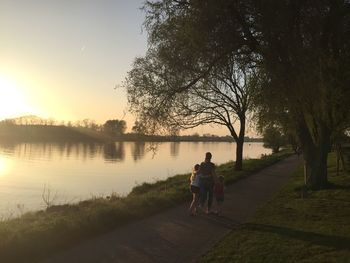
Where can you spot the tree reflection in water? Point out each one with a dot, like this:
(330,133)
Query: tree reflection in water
(50,151)
(114,152)
(174,149)
(138,150)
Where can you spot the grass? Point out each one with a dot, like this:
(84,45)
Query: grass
(292,229)
(36,235)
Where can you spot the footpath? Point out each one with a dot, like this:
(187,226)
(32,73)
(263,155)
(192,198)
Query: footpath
(174,236)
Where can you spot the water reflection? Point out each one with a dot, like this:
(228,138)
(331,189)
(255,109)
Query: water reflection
(174,148)
(110,152)
(7,147)
(114,152)
(4,166)
(138,150)
(78,170)
(48,151)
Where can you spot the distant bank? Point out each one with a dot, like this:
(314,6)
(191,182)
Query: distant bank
(60,133)
(50,133)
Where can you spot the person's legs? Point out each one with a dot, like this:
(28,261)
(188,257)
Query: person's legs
(210,197)
(196,202)
(203,196)
(192,206)
(219,202)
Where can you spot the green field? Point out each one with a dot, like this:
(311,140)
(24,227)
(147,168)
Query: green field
(294,229)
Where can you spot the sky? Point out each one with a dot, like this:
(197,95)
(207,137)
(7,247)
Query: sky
(62,59)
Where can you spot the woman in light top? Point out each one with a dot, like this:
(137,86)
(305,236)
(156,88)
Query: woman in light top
(194,187)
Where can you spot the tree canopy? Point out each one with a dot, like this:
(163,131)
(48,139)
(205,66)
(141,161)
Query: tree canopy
(273,138)
(115,127)
(299,51)
(182,84)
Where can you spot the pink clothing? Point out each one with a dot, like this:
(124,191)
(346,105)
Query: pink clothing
(219,189)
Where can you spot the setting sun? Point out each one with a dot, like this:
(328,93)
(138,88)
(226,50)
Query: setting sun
(13,101)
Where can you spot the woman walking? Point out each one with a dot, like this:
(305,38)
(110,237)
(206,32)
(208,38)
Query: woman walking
(207,179)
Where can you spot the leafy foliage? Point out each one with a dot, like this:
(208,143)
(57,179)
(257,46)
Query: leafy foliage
(115,127)
(300,49)
(274,139)
(189,76)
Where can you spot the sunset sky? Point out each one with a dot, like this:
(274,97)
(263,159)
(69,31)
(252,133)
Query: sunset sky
(63,58)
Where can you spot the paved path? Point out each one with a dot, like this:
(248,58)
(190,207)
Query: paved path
(174,236)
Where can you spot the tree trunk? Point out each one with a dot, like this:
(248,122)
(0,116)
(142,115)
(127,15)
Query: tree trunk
(315,153)
(239,144)
(338,161)
(315,171)
(239,154)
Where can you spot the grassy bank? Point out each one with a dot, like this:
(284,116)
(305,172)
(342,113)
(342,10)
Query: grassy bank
(36,235)
(294,229)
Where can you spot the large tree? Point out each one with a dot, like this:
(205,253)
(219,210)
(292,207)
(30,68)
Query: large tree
(305,56)
(173,87)
(302,48)
(222,97)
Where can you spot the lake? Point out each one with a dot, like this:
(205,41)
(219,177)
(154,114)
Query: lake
(71,172)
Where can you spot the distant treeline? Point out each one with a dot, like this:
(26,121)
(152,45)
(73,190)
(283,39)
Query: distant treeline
(28,133)
(45,133)
(32,128)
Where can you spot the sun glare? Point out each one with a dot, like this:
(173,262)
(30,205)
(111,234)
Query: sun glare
(3,166)
(13,102)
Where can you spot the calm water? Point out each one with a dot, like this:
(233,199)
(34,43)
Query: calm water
(76,171)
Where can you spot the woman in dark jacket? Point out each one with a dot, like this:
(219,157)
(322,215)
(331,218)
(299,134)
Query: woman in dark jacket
(207,173)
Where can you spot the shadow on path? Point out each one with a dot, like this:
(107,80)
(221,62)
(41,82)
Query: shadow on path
(331,241)
(221,220)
